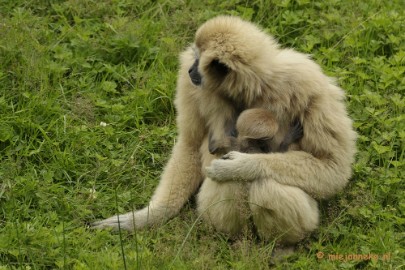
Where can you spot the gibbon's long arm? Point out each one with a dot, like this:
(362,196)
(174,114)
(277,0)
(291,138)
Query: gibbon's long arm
(293,168)
(182,174)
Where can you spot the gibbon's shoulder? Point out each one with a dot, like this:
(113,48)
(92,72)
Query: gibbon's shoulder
(304,73)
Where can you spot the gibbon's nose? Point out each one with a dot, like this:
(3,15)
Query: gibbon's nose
(196,81)
(194,76)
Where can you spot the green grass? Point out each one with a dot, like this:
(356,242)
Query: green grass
(66,67)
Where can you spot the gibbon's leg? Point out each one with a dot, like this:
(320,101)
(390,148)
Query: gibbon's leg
(223,205)
(282,212)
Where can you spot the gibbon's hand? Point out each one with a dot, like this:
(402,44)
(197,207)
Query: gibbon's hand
(233,166)
(125,221)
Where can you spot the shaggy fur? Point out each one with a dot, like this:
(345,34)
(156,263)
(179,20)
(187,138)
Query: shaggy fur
(241,68)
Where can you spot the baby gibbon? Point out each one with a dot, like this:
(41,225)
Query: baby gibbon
(231,67)
(258,133)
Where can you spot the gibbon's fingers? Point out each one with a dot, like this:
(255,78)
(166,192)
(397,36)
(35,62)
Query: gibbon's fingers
(124,221)
(233,155)
(133,220)
(228,167)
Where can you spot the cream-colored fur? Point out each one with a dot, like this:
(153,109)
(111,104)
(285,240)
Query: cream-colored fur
(294,212)
(277,189)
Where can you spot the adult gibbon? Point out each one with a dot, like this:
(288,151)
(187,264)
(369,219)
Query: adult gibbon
(233,66)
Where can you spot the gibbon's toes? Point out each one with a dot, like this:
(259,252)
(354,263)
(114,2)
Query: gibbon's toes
(281,254)
(216,148)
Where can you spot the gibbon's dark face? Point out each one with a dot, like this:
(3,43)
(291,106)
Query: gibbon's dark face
(194,74)
(216,70)
(252,146)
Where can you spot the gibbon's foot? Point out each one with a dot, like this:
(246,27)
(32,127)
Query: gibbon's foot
(281,253)
(124,221)
(233,166)
(221,147)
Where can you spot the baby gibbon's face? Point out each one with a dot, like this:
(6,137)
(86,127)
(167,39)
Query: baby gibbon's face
(259,132)
(256,131)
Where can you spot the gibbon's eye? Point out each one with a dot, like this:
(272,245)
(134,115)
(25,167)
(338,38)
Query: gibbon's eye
(264,146)
(260,145)
(194,74)
(219,68)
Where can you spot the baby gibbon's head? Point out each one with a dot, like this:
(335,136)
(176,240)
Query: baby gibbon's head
(256,131)
(232,57)
(256,124)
